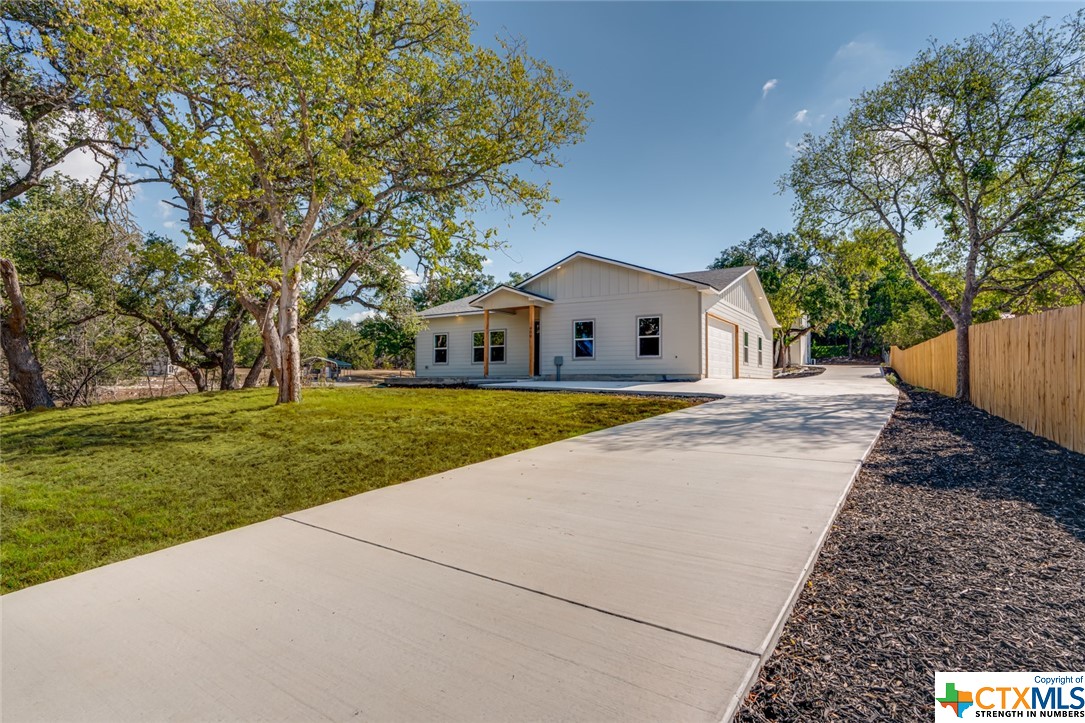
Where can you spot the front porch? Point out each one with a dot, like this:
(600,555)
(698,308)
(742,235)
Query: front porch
(508,300)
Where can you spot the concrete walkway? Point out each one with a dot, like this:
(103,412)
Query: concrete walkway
(639,573)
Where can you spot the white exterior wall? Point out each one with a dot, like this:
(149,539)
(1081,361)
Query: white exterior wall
(739,306)
(460,330)
(800,350)
(614,297)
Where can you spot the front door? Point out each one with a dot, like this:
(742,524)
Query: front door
(535,371)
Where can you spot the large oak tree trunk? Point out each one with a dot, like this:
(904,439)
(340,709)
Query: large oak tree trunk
(290,366)
(257,368)
(230,332)
(199,378)
(24,370)
(269,332)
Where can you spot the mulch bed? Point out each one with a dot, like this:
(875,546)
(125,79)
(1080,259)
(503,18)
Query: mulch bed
(800,372)
(960,547)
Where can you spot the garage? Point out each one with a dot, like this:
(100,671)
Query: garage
(721,349)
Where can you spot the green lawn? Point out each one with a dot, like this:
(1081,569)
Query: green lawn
(88,486)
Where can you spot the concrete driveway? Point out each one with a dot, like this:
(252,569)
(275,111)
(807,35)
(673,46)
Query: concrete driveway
(638,573)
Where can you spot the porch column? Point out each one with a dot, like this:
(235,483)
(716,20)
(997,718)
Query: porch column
(485,342)
(531,340)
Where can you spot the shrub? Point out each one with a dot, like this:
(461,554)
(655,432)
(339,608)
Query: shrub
(827,351)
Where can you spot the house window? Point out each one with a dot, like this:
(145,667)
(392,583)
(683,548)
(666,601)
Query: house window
(746,347)
(649,337)
(497,346)
(440,348)
(759,340)
(584,339)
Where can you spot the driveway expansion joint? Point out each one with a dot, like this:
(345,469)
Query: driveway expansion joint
(534,591)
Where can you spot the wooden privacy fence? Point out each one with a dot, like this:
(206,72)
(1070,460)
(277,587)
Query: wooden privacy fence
(1029,370)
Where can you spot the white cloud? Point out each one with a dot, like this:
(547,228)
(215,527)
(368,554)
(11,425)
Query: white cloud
(800,117)
(769,86)
(80,165)
(857,50)
(361,315)
(487,261)
(166,215)
(793,147)
(410,276)
(860,63)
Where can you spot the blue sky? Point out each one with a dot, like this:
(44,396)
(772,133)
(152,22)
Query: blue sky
(696,109)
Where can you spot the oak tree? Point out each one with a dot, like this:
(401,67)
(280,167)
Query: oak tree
(982,139)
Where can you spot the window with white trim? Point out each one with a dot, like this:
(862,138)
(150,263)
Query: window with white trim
(440,348)
(497,346)
(649,337)
(746,347)
(584,339)
(759,340)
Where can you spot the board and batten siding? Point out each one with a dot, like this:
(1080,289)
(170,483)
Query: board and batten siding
(460,330)
(614,297)
(590,279)
(739,306)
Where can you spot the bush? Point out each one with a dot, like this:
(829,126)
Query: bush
(828,351)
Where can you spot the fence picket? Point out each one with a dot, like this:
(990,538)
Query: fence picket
(1029,370)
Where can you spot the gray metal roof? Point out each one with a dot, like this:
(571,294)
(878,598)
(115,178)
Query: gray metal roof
(459,306)
(718,279)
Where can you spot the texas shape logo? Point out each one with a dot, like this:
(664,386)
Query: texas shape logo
(957,700)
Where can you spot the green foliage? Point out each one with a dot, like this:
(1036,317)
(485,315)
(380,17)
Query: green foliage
(167,288)
(392,339)
(822,351)
(375,130)
(155,473)
(518,277)
(340,340)
(56,232)
(979,138)
(459,276)
(66,256)
(47,116)
(795,278)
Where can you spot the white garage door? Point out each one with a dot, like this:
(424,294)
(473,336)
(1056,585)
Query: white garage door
(721,349)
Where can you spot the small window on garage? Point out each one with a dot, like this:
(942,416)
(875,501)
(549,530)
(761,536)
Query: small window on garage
(584,339)
(440,348)
(759,357)
(649,337)
(746,347)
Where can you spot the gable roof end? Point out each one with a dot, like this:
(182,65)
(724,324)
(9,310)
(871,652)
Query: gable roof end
(512,289)
(615,262)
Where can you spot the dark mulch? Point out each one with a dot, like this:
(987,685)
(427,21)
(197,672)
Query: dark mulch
(961,547)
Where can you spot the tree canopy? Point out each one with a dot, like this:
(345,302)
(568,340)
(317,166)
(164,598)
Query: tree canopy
(293,126)
(982,139)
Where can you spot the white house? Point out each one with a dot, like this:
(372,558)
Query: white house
(589,317)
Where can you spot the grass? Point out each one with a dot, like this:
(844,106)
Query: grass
(89,486)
